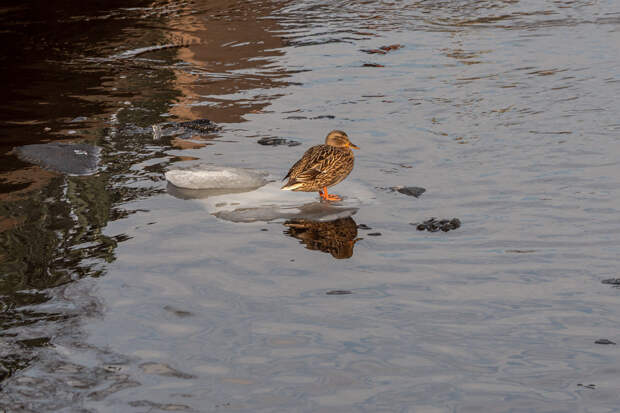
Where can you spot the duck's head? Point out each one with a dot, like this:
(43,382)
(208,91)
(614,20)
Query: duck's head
(339,139)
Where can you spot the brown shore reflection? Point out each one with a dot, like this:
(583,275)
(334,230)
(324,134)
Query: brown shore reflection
(224,61)
(336,237)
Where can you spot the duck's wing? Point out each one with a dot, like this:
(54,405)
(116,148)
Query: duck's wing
(303,168)
(330,166)
(321,165)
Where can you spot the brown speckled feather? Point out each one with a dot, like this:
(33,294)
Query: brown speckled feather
(321,166)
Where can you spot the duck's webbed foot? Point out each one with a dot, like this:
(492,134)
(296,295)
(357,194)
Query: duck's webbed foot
(325,196)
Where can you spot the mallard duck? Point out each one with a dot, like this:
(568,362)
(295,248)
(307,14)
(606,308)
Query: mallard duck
(323,166)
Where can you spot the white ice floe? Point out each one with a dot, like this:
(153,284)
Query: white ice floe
(268,202)
(312,211)
(215,177)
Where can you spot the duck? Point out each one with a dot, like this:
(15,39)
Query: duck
(323,166)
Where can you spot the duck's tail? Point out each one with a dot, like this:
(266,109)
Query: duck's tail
(291,186)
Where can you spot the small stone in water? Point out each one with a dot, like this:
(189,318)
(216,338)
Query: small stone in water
(177,312)
(163,370)
(604,341)
(374,234)
(612,281)
(363,226)
(413,191)
(434,225)
(339,292)
(277,141)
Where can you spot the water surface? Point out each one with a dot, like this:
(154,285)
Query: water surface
(119,296)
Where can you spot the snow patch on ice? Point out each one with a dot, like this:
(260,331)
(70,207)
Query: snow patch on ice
(216,177)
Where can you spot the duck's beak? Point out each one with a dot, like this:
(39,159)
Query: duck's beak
(353,145)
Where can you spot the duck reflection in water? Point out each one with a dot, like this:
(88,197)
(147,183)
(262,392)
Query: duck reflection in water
(337,237)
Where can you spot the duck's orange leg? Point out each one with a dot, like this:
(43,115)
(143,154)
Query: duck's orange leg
(328,197)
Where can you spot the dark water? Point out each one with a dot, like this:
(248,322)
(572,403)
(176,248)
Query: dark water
(117,296)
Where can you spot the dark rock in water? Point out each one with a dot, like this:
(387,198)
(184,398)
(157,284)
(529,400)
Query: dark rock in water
(339,292)
(374,234)
(201,125)
(604,341)
(324,117)
(413,191)
(363,226)
(277,141)
(163,370)
(434,225)
(177,312)
(66,158)
(612,281)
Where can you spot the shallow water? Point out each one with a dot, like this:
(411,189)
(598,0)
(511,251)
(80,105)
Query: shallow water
(119,296)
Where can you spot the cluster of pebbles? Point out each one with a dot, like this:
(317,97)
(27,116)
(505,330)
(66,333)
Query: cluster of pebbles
(435,225)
